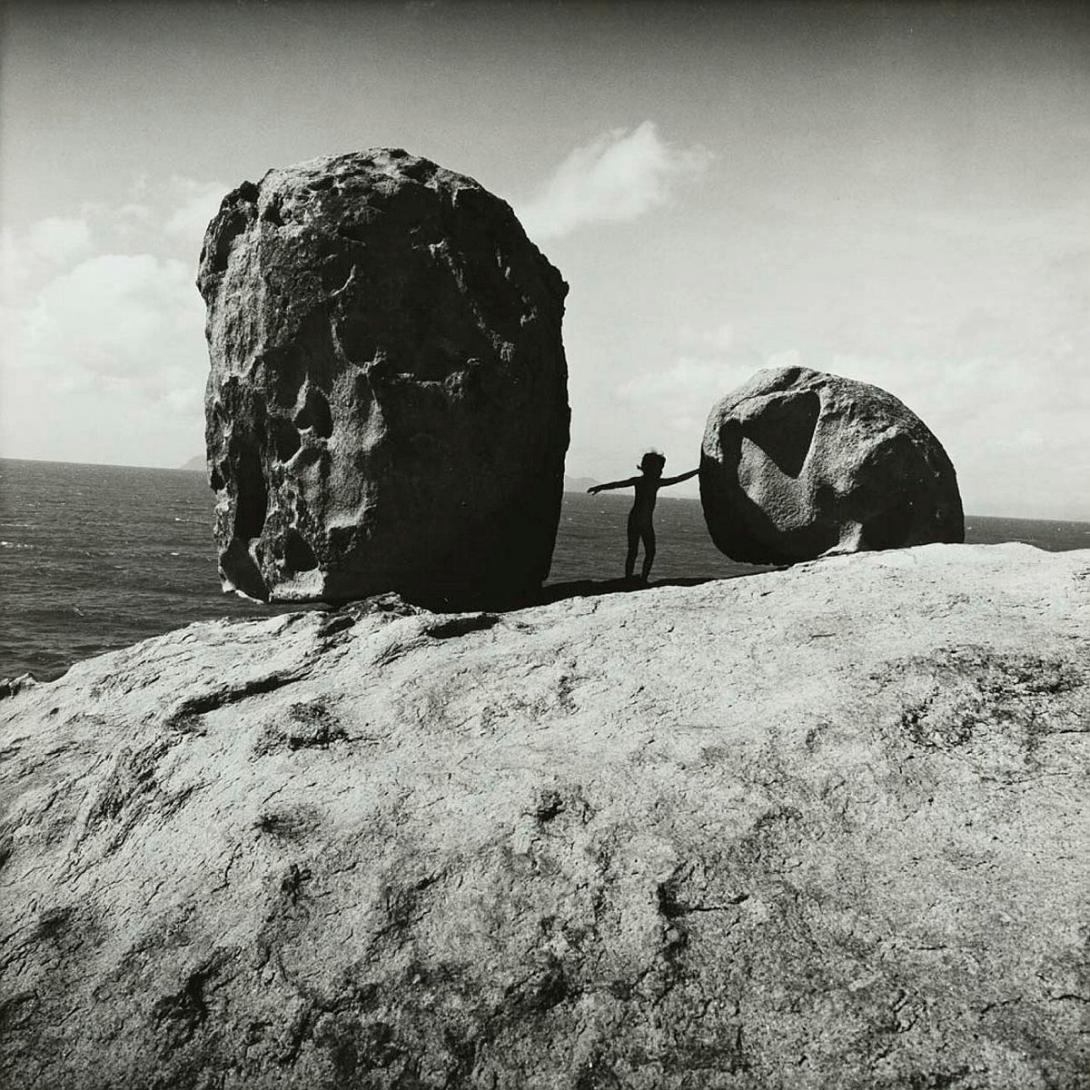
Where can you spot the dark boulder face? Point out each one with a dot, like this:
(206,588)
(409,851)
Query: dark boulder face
(387,405)
(796,463)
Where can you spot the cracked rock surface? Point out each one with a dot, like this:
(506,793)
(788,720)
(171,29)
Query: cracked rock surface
(796,463)
(817,827)
(387,404)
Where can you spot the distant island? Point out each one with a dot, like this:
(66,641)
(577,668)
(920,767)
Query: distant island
(196,464)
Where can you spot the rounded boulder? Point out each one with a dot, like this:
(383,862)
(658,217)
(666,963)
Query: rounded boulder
(387,404)
(796,463)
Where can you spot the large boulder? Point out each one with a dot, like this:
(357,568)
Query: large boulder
(387,405)
(796,463)
(822,827)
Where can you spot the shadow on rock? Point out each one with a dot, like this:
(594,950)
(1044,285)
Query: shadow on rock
(592,588)
(454,602)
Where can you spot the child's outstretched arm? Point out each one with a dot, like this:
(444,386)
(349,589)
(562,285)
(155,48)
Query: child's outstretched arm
(678,480)
(613,484)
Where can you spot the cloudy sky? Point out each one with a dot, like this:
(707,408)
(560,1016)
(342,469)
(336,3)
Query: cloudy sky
(892,192)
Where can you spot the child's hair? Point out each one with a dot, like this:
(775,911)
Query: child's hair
(652,459)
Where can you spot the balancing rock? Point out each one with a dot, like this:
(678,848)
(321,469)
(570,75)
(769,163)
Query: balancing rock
(387,405)
(796,463)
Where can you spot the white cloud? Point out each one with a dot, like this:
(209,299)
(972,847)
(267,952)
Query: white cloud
(11,268)
(102,328)
(689,381)
(1013,426)
(618,177)
(105,271)
(790,357)
(60,240)
(46,246)
(668,407)
(107,357)
(714,363)
(188,401)
(720,339)
(170,218)
(118,316)
(196,204)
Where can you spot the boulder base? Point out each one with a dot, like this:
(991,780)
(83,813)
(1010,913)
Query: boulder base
(797,463)
(387,404)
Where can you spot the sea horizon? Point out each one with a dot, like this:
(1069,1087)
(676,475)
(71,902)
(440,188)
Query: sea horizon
(575,476)
(95,557)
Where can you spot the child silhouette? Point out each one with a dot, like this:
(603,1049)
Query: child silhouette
(641,524)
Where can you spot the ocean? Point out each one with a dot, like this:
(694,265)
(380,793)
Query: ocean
(97,557)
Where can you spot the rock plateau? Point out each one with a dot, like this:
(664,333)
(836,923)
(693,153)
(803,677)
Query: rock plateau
(387,404)
(818,827)
(796,463)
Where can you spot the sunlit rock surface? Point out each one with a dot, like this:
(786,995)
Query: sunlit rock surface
(387,406)
(825,827)
(798,462)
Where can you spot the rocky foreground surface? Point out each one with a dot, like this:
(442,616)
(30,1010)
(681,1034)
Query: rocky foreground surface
(818,827)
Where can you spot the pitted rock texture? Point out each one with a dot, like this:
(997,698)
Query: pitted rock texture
(387,405)
(813,828)
(796,463)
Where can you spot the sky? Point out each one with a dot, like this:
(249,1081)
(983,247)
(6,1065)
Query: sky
(896,193)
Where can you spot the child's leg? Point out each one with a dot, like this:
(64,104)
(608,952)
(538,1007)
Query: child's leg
(648,551)
(633,545)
